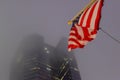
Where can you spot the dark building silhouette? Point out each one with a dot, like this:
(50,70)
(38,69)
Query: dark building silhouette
(65,66)
(36,60)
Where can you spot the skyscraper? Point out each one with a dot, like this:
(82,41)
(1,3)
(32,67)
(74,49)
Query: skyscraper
(65,63)
(36,60)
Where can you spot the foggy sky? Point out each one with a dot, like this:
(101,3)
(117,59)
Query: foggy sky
(99,60)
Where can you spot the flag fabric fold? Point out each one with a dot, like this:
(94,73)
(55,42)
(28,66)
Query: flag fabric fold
(85,26)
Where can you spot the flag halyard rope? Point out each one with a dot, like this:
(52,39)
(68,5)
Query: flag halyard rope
(116,40)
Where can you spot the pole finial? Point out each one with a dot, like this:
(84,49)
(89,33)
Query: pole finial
(69,22)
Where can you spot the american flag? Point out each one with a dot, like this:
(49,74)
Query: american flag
(85,26)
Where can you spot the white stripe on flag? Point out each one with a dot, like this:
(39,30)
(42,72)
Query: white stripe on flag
(86,16)
(94,15)
(80,31)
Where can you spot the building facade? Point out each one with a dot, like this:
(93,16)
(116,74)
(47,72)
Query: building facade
(65,66)
(36,60)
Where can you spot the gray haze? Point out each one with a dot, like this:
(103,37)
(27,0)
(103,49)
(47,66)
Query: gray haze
(99,60)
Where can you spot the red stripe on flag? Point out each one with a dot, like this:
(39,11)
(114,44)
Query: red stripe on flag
(82,18)
(97,21)
(76,45)
(90,16)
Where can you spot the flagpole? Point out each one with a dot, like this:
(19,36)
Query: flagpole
(87,6)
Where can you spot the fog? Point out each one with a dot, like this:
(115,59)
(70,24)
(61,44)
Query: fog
(99,60)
